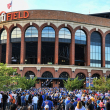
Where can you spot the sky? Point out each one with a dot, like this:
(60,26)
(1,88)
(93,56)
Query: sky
(76,6)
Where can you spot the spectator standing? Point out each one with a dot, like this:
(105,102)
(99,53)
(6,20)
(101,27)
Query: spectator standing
(70,105)
(5,97)
(35,101)
(90,105)
(47,102)
(79,106)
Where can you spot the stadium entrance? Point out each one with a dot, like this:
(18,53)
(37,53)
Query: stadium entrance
(46,79)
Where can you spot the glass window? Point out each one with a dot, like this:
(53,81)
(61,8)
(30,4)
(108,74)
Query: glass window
(107,51)
(64,33)
(31,32)
(48,32)
(80,37)
(16,33)
(95,50)
(3,35)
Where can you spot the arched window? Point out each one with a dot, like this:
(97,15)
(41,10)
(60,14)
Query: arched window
(16,33)
(107,51)
(64,75)
(95,50)
(80,37)
(3,35)
(96,75)
(31,32)
(80,76)
(47,74)
(48,32)
(64,33)
(29,74)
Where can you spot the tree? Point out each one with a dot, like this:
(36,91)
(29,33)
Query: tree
(101,84)
(26,83)
(7,81)
(73,84)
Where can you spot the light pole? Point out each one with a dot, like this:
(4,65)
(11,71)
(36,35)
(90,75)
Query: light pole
(105,81)
(89,81)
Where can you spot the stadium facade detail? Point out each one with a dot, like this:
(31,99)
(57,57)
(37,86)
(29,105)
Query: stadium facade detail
(55,45)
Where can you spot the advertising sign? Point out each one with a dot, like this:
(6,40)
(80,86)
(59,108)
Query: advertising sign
(87,82)
(13,16)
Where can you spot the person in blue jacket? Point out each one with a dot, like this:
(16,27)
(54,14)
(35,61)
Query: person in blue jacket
(47,102)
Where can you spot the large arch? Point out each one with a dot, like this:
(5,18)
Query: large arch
(81,75)
(95,75)
(96,49)
(29,74)
(46,24)
(47,74)
(64,75)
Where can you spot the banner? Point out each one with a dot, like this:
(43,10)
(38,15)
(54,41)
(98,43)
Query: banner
(87,82)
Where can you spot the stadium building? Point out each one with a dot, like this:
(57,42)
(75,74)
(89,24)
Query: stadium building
(55,45)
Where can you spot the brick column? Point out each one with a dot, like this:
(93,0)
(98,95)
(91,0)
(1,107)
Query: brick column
(88,50)
(39,47)
(103,51)
(56,48)
(8,49)
(72,49)
(23,48)
(0,52)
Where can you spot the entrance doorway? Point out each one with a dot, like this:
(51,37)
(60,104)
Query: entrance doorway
(46,80)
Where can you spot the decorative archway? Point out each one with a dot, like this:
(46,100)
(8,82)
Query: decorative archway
(64,75)
(29,74)
(81,76)
(47,81)
(96,75)
(47,74)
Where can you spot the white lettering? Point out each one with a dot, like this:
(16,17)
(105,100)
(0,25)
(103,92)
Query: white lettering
(3,17)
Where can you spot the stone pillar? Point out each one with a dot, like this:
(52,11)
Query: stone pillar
(56,48)
(0,52)
(39,47)
(8,49)
(72,49)
(88,50)
(23,48)
(103,51)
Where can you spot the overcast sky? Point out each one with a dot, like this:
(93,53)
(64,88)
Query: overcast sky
(77,6)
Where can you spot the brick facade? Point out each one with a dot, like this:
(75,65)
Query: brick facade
(50,15)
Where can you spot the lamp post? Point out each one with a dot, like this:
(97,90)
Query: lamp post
(89,81)
(105,81)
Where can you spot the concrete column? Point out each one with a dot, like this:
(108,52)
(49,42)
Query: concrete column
(39,48)
(8,49)
(56,48)
(103,51)
(88,50)
(23,48)
(72,49)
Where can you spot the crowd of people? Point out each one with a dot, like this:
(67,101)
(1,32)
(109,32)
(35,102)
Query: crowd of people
(54,99)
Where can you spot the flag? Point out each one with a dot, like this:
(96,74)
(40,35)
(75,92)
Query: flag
(9,5)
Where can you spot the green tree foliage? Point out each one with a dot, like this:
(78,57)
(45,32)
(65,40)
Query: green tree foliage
(7,81)
(101,84)
(26,83)
(73,84)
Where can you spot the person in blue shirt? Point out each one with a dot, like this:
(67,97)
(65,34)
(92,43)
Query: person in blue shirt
(98,101)
(47,102)
(23,100)
(75,102)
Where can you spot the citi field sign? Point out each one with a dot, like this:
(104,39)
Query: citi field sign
(13,16)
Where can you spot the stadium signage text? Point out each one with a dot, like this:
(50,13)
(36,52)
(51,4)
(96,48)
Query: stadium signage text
(13,16)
